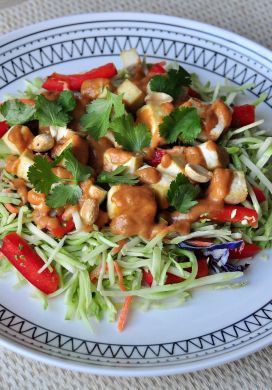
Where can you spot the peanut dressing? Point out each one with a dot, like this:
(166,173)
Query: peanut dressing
(137,209)
(148,175)
(20,136)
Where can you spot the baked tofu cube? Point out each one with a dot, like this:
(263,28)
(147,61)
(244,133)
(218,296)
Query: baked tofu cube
(172,165)
(97,193)
(133,97)
(113,210)
(18,138)
(152,115)
(113,158)
(130,58)
(238,189)
(24,162)
(215,156)
(80,147)
(161,189)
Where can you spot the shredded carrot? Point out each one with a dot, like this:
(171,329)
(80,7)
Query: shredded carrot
(124,313)
(95,272)
(12,209)
(120,276)
(119,247)
(27,101)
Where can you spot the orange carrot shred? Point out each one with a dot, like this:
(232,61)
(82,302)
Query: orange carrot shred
(117,249)
(124,313)
(94,274)
(27,101)
(120,276)
(12,209)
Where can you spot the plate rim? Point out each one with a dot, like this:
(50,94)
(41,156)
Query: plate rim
(175,368)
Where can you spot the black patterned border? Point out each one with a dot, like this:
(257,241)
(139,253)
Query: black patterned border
(82,349)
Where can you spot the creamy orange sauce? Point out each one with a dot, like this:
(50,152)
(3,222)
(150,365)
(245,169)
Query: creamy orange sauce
(166,160)
(210,114)
(80,147)
(20,185)
(20,136)
(148,175)
(119,156)
(102,219)
(97,150)
(218,189)
(194,155)
(220,184)
(137,209)
(11,164)
(152,116)
(91,89)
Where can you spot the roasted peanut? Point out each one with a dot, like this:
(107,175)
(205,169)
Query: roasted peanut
(89,211)
(42,143)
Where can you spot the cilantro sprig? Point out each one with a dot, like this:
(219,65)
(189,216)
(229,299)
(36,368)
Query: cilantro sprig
(117,176)
(99,114)
(182,194)
(17,113)
(183,123)
(132,137)
(172,82)
(47,112)
(59,191)
(55,112)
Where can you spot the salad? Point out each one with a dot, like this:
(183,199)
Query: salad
(129,189)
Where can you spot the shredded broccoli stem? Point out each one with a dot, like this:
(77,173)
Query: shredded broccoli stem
(79,255)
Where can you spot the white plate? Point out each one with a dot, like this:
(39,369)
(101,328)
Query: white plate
(215,326)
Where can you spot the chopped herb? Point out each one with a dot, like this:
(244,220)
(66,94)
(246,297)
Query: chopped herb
(172,82)
(117,176)
(182,194)
(132,137)
(99,114)
(182,123)
(16,112)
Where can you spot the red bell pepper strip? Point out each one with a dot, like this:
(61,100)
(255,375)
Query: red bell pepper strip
(63,228)
(74,81)
(246,250)
(235,214)
(55,85)
(243,115)
(28,263)
(171,278)
(157,68)
(4,126)
(192,93)
(259,194)
(156,157)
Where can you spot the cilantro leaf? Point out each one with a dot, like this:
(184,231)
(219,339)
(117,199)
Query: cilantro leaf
(96,121)
(79,171)
(182,194)
(16,112)
(117,176)
(132,137)
(182,123)
(50,113)
(67,101)
(172,82)
(63,194)
(41,176)
(99,113)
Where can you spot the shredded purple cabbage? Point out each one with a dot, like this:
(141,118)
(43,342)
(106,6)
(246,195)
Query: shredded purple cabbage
(218,255)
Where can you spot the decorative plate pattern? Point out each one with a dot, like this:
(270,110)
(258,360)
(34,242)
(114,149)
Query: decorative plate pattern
(71,43)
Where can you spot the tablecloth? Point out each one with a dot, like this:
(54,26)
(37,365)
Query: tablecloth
(250,18)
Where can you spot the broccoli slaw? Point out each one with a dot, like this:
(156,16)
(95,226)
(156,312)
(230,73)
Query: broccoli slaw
(100,270)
